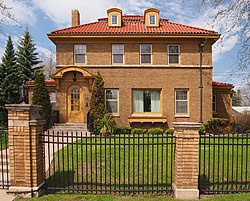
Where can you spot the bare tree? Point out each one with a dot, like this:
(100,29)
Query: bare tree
(245,94)
(235,15)
(5,15)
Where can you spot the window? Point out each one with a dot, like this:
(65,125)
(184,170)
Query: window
(152,19)
(111,100)
(146,52)
(173,54)
(117,53)
(75,99)
(114,20)
(146,101)
(80,54)
(214,103)
(53,100)
(181,101)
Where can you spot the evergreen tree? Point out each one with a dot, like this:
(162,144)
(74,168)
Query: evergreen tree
(10,80)
(27,57)
(97,103)
(41,97)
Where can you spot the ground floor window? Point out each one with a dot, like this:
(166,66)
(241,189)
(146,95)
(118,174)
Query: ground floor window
(214,103)
(53,100)
(111,100)
(181,101)
(146,101)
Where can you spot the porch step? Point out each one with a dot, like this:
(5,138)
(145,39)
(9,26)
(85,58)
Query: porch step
(69,127)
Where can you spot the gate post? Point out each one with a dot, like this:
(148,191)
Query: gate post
(26,152)
(186,162)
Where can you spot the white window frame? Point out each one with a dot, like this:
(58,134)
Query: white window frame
(122,45)
(214,103)
(154,16)
(85,56)
(151,58)
(52,96)
(116,16)
(114,114)
(175,101)
(179,53)
(147,113)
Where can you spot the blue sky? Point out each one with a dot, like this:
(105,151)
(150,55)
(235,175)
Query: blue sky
(43,16)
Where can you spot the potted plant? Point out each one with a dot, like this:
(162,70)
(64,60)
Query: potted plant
(107,124)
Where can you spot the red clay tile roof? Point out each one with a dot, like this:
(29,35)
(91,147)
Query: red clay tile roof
(47,82)
(222,84)
(133,24)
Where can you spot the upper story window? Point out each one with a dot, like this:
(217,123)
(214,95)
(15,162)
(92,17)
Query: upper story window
(146,54)
(181,102)
(152,19)
(173,54)
(214,103)
(117,54)
(111,100)
(146,101)
(114,20)
(80,54)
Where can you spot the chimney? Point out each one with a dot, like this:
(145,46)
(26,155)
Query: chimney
(75,18)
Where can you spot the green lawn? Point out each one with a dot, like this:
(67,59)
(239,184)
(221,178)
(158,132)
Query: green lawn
(3,139)
(146,164)
(75,197)
(141,165)
(224,165)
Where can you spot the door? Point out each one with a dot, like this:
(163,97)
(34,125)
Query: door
(75,104)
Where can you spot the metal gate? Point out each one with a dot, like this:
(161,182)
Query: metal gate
(224,163)
(4,159)
(128,163)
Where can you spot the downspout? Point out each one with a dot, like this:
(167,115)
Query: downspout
(201,45)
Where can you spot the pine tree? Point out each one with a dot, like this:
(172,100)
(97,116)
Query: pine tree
(27,57)
(97,103)
(41,97)
(10,80)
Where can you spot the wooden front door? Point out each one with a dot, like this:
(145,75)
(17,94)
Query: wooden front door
(75,104)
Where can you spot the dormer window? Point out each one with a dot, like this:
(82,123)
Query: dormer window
(152,19)
(114,19)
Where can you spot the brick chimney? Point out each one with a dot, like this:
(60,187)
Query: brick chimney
(75,18)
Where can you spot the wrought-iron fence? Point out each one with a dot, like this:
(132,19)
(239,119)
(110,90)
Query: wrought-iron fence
(224,163)
(4,159)
(132,163)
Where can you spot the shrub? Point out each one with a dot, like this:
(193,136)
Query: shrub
(217,126)
(122,130)
(242,121)
(138,131)
(169,131)
(155,131)
(106,125)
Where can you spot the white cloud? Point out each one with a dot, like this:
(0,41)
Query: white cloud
(23,12)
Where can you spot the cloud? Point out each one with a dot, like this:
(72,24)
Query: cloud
(23,12)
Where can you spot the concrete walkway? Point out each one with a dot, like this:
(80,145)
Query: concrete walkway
(6,197)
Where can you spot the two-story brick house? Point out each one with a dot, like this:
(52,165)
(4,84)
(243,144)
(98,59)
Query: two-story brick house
(150,67)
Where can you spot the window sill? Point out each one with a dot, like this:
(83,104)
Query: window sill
(147,119)
(182,116)
(114,115)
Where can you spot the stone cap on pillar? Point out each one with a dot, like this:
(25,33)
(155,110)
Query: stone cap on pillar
(186,125)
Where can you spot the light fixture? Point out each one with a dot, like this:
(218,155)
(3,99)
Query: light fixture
(74,76)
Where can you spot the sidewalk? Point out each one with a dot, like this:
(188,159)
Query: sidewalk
(4,196)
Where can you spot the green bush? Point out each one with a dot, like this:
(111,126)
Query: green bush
(217,126)
(155,131)
(138,131)
(122,130)
(169,131)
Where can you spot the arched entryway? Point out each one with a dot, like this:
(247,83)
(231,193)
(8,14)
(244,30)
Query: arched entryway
(75,104)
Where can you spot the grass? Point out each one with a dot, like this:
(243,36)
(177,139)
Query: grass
(80,197)
(3,139)
(88,164)
(147,164)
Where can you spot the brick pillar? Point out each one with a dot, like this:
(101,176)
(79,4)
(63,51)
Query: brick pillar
(26,152)
(186,163)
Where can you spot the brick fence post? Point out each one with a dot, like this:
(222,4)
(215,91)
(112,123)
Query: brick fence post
(26,152)
(186,162)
